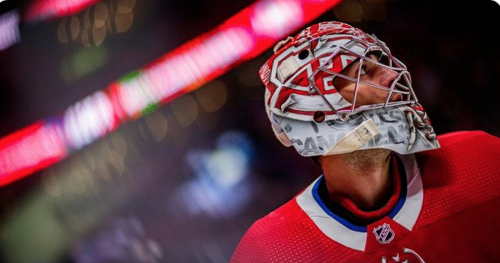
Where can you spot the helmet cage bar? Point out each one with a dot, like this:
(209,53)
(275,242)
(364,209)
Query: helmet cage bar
(394,84)
(397,62)
(313,85)
(361,60)
(404,90)
(368,83)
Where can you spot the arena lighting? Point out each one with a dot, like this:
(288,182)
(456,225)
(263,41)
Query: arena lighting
(52,9)
(277,17)
(241,37)
(184,69)
(9,29)
(26,151)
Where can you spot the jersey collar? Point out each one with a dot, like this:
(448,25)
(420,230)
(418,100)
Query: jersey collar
(405,212)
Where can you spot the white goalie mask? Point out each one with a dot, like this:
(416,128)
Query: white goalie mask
(307,111)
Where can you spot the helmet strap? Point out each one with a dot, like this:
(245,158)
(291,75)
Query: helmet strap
(356,138)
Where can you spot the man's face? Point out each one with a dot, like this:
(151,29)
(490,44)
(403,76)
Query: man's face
(370,72)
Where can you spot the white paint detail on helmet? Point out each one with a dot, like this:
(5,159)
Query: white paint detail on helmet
(347,60)
(287,68)
(273,78)
(320,44)
(391,122)
(276,127)
(289,102)
(308,103)
(282,43)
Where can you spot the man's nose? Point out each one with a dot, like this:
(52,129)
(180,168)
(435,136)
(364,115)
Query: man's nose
(384,76)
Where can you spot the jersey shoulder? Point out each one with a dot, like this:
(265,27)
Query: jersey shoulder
(287,235)
(455,146)
(264,235)
(469,138)
(463,173)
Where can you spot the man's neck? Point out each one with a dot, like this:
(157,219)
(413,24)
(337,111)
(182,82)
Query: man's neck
(363,176)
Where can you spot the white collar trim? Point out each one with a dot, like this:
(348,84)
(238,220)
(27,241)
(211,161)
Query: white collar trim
(355,237)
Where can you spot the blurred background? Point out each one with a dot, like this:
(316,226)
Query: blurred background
(182,182)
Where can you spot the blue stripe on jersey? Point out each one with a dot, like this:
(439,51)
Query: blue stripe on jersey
(358,228)
(341,220)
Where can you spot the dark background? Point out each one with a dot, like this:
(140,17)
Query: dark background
(184,183)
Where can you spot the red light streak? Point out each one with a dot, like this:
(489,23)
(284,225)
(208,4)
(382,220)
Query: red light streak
(180,71)
(30,149)
(51,9)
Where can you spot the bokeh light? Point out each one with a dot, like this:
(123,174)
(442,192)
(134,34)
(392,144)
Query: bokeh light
(276,18)
(94,24)
(157,124)
(185,110)
(374,10)
(9,29)
(349,11)
(212,96)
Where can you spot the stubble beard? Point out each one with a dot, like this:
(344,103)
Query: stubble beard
(367,160)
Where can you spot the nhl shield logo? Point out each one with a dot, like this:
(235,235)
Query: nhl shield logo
(384,234)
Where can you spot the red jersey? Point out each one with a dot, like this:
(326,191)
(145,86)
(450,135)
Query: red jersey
(445,208)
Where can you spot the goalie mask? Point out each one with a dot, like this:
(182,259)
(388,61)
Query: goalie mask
(305,78)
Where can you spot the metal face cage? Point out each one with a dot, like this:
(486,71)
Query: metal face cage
(400,85)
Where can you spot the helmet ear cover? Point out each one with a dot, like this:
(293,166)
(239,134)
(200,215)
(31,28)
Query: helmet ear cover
(277,130)
(280,134)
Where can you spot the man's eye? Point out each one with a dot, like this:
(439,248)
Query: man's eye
(364,70)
